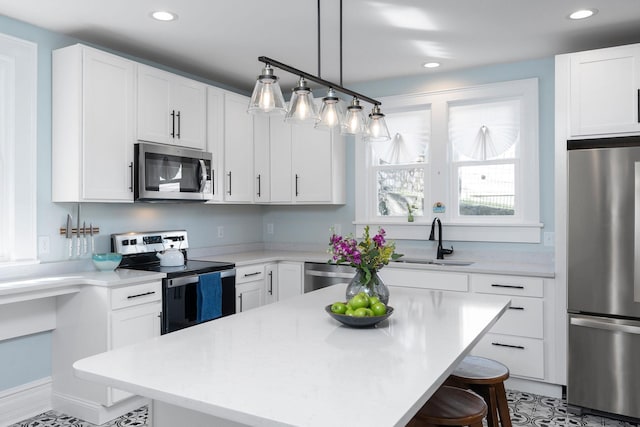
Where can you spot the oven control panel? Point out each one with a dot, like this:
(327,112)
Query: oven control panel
(152,241)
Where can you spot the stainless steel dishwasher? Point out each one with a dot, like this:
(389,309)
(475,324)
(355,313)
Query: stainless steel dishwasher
(320,275)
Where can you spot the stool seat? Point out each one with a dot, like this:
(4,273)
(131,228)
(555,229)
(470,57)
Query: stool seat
(451,406)
(485,377)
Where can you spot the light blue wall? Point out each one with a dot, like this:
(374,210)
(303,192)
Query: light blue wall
(289,221)
(25,359)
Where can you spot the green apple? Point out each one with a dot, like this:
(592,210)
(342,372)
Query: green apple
(379,309)
(373,300)
(339,307)
(350,312)
(359,301)
(362,312)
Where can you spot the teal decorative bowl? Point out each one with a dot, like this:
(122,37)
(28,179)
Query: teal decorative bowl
(106,262)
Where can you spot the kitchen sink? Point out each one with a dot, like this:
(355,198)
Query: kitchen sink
(433,261)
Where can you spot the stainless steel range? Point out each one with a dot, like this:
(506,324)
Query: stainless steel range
(193,291)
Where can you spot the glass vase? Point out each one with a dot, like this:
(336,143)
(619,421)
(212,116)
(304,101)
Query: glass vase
(374,287)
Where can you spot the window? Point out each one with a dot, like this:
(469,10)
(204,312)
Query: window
(17,150)
(468,156)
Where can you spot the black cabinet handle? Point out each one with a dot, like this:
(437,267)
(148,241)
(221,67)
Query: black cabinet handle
(229,175)
(252,274)
(141,295)
(519,347)
(240,296)
(270,283)
(638,105)
(178,133)
(173,123)
(496,285)
(131,173)
(516,308)
(259,185)
(213,181)
(297,177)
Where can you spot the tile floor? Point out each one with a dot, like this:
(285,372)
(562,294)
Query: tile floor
(526,410)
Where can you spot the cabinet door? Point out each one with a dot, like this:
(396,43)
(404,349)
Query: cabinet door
(215,138)
(108,93)
(133,325)
(280,151)
(249,295)
(261,155)
(155,117)
(188,100)
(605,91)
(238,149)
(271,283)
(289,280)
(311,159)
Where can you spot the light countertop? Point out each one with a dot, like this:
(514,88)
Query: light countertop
(289,363)
(478,266)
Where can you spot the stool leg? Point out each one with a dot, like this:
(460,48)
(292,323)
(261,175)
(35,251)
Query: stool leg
(476,425)
(503,407)
(490,400)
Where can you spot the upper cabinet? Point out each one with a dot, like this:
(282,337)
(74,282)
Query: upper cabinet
(605,91)
(93,128)
(238,149)
(171,108)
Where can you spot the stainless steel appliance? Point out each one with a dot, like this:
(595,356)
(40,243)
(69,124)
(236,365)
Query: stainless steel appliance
(169,173)
(320,275)
(181,305)
(604,275)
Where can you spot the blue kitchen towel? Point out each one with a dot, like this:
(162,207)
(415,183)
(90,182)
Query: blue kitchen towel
(209,297)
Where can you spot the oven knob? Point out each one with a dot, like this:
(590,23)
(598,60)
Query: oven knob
(133,242)
(125,243)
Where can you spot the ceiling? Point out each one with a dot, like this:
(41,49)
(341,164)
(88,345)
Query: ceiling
(221,39)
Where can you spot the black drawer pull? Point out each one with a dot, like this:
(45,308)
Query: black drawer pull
(252,274)
(516,308)
(141,295)
(519,347)
(496,285)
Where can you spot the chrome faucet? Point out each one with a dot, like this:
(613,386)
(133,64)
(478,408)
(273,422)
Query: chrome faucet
(441,251)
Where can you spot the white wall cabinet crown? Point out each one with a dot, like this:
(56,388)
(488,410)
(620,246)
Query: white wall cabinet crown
(605,91)
(93,126)
(171,108)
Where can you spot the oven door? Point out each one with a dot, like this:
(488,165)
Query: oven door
(164,172)
(180,300)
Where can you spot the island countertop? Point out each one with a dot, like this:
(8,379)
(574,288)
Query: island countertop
(291,364)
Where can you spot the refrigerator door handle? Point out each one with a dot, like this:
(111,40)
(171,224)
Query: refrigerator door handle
(616,325)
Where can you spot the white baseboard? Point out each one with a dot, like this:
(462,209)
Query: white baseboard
(534,387)
(94,412)
(25,401)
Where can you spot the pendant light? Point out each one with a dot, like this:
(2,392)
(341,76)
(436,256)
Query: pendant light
(331,112)
(267,95)
(355,122)
(377,128)
(302,109)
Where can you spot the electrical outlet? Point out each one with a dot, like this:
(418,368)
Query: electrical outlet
(220,231)
(549,238)
(43,245)
(269,228)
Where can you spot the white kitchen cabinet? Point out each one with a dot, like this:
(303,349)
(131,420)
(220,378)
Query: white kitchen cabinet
(171,108)
(250,287)
(290,279)
(271,283)
(261,159)
(605,91)
(95,320)
(238,150)
(93,131)
(215,139)
(425,279)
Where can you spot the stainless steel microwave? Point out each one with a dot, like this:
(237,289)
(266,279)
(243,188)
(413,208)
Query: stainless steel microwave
(171,173)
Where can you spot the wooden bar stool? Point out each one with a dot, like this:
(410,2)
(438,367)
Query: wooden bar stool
(451,406)
(485,377)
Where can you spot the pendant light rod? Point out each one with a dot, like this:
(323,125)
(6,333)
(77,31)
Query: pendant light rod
(318,80)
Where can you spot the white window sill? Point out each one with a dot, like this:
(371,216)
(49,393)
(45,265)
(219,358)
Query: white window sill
(513,233)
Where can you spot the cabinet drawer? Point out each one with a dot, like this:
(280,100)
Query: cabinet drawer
(508,285)
(128,296)
(424,279)
(523,356)
(524,318)
(249,273)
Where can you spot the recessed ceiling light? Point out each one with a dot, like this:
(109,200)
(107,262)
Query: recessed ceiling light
(583,13)
(431,64)
(163,15)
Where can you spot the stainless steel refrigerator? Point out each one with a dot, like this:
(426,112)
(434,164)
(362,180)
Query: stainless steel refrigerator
(604,275)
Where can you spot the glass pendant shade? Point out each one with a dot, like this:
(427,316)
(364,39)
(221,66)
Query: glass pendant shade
(267,97)
(354,122)
(331,112)
(301,108)
(377,129)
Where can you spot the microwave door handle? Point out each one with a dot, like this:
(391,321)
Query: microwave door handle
(203,175)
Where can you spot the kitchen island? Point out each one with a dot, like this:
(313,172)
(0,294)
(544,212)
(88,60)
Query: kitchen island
(290,364)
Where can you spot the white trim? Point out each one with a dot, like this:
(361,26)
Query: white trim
(25,401)
(535,387)
(94,412)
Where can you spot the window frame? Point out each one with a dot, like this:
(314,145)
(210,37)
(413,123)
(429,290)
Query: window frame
(18,144)
(523,228)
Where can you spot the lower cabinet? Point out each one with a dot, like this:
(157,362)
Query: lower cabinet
(260,284)
(95,320)
(250,287)
(290,279)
